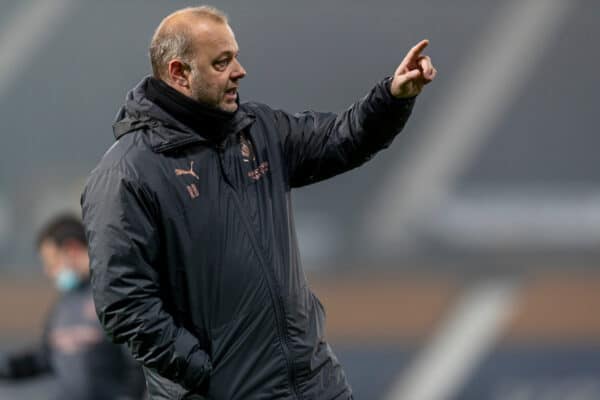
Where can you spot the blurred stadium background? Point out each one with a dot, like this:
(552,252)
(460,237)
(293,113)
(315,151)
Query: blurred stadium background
(462,263)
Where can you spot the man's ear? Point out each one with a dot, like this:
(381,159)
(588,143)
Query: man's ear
(179,73)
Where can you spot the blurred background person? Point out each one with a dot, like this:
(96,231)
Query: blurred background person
(73,347)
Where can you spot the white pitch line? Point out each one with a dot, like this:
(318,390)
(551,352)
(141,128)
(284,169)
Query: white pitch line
(24,33)
(496,70)
(466,337)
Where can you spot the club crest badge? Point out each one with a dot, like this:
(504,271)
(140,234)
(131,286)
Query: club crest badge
(246,149)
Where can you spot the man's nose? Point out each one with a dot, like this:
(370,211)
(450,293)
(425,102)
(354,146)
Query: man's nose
(239,71)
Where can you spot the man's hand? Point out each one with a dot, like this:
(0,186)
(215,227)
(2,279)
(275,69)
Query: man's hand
(414,72)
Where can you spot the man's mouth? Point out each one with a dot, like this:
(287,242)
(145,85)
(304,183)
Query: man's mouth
(231,93)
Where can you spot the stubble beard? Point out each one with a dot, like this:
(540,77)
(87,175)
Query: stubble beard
(199,90)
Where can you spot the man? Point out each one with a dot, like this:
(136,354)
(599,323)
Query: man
(194,257)
(74,348)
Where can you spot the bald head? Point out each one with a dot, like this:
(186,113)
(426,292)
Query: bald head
(173,39)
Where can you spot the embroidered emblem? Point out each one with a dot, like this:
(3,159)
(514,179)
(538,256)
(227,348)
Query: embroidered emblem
(190,171)
(192,190)
(258,173)
(246,149)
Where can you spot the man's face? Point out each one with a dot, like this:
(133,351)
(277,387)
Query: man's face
(52,258)
(70,255)
(216,71)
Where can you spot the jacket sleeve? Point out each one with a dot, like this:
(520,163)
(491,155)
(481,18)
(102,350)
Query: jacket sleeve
(320,145)
(124,259)
(24,364)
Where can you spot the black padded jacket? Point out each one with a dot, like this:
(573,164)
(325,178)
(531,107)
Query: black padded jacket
(194,257)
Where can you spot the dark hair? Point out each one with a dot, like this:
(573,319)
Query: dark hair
(62,228)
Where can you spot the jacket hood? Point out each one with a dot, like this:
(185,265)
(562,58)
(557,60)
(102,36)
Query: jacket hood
(139,113)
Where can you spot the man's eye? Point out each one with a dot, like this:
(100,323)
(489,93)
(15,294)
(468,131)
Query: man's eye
(222,64)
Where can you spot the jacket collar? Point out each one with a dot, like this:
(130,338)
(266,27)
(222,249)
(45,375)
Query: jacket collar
(164,131)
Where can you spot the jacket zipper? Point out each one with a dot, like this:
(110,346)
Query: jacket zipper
(271,281)
(170,146)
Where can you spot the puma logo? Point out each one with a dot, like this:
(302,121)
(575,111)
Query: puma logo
(187,171)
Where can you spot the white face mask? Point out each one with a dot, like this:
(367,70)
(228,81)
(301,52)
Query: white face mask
(67,279)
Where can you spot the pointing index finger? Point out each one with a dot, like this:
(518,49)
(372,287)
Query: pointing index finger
(415,52)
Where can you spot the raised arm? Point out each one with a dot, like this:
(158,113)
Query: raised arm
(320,145)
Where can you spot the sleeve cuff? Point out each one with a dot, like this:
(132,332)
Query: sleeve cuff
(197,374)
(386,92)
